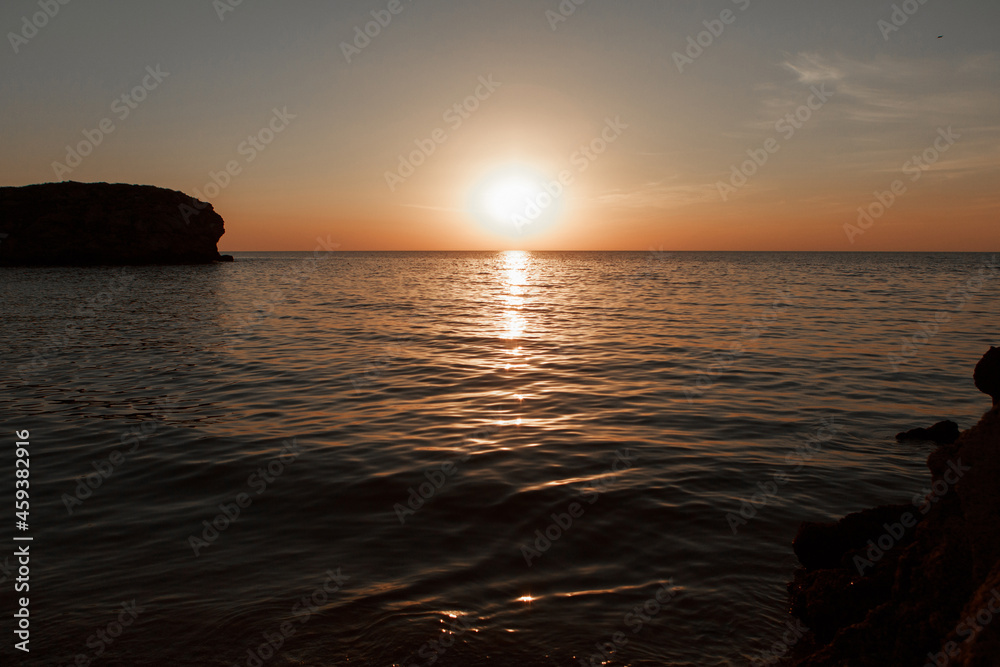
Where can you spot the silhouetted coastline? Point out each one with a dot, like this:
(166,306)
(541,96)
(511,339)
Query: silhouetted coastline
(917,583)
(78,224)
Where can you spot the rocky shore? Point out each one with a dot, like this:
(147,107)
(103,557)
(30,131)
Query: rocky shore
(99,223)
(913,584)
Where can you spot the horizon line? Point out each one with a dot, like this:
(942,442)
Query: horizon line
(656,250)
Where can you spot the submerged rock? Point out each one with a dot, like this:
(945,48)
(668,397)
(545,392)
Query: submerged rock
(99,223)
(913,584)
(942,433)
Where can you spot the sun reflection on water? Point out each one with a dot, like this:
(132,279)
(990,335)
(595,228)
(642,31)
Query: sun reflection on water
(513,281)
(515,264)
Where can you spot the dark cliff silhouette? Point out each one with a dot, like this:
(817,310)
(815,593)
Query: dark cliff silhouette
(99,223)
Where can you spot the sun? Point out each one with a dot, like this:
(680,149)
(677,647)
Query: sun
(509,196)
(516,200)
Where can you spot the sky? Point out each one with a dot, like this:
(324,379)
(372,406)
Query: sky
(855,125)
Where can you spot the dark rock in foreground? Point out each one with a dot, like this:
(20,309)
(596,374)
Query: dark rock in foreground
(987,375)
(831,545)
(99,223)
(942,433)
(915,584)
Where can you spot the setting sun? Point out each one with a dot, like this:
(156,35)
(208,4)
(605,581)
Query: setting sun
(507,198)
(515,201)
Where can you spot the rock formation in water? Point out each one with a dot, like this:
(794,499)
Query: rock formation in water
(987,375)
(914,584)
(99,223)
(942,433)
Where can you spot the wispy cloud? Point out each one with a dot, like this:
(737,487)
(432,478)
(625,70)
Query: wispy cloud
(666,193)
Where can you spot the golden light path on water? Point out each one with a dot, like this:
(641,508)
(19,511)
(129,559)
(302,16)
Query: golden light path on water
(515,264)
(515,281)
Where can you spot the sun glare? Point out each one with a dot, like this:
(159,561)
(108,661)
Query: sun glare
(516,201)
(508,197)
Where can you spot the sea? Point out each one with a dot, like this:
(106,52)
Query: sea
(506,458)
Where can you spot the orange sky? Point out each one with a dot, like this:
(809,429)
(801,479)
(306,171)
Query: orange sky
(769,136)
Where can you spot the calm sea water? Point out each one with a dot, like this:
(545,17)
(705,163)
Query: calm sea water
(405,428)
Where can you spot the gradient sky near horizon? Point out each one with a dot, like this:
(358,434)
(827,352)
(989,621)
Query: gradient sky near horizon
(656,185)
